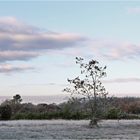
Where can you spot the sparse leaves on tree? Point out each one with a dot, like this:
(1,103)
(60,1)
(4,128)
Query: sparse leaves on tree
(90,85)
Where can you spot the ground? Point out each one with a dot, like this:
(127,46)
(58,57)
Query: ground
(69,129)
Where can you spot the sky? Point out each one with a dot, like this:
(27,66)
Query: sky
(39,41)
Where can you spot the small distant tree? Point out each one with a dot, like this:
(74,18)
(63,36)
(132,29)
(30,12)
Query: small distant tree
(17,99)
(90,86)
(14,103)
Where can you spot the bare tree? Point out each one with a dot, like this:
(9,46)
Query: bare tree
(90,86)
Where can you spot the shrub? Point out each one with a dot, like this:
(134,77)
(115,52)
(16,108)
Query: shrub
(113,113)
(5,112)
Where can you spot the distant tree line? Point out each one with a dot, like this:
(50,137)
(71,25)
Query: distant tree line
(74,108)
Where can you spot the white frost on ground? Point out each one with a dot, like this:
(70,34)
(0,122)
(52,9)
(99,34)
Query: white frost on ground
(66,129)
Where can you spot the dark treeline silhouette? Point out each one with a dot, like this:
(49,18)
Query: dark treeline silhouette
(74,108)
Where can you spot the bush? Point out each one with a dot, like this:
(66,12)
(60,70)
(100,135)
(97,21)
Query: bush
(51,115)
(5,112)
(114,113)
(37,116)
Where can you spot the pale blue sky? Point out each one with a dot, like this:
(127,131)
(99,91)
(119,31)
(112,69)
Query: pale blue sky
(40,40)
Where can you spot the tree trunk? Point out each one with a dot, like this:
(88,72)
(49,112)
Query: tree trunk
(93,122)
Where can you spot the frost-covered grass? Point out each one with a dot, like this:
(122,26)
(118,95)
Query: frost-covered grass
(69,129)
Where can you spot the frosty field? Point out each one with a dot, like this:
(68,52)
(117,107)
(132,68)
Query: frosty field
(66,129)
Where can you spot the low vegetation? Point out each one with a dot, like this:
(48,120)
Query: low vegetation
(74,108)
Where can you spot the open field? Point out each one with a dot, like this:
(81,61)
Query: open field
(66,129)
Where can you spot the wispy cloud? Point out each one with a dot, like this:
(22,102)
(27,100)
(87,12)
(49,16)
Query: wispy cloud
(123,80)
(8,68)
(20,41)
(103,48)
(113,50)
(17,55)
(134,10)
